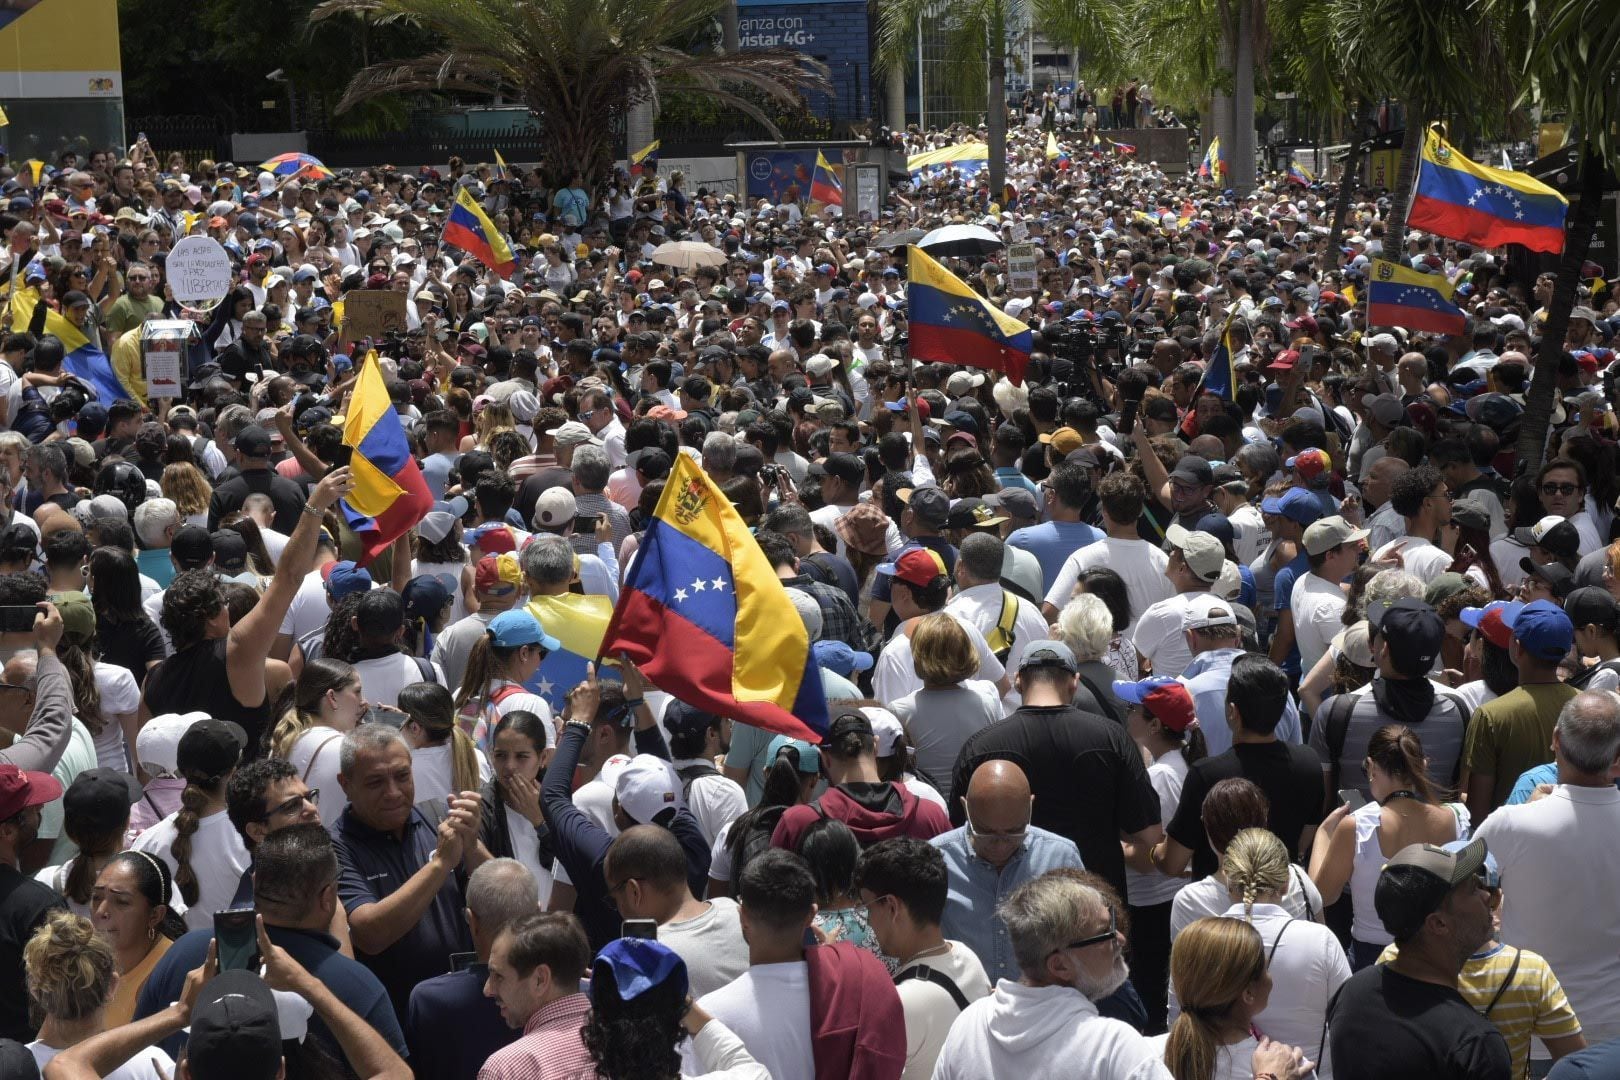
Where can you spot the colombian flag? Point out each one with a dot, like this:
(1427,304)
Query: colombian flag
(1400,296)
(825,187)
(951,322)
(709,621)
(1299,174)
(85,361)
(470,229)
(389,493)
(578,623)
(645,160)
(1464,200)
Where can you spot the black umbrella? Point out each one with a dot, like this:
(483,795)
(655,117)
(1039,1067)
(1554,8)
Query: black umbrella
(891,240)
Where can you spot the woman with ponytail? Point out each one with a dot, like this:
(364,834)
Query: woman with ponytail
(95,815)
(1218,972)
(443,758)
(1306,961)
(1164,724)
(71,972)
(133,909)
(1352,846)
(106,697)
(312,716)
(791,777)
(512,826)
(203,850)
(507,656)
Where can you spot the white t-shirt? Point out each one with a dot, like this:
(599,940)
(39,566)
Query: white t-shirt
(711,944)
(453,645)
(1419,557)
(930,1010)
(1167,775)
(119,696)
(1160,634)
(149,1063)
(309,609)
(218,858)
(1234,1062)
(715,801)
(768,1008)
(383,677)
(1207,897)
(894,675)
(526,850)
(323,746)
(1317,604)
(431,767)
(1137,561)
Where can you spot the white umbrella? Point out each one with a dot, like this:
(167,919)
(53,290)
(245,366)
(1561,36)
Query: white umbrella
(685,254)
(961,240)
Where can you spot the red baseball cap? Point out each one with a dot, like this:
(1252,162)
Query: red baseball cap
(1165,699)
(19,790)
(919,566)
(1310,463)
(494,539)
(1285,361)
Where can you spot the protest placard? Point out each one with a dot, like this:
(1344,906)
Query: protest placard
(163,345)
(373,313)
(1021,262)
(198,270)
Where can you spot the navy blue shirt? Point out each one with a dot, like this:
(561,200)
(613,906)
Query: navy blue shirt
(454,1002)
(373,865)
(316,950)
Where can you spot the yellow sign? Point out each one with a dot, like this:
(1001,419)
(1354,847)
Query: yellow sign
(60,49)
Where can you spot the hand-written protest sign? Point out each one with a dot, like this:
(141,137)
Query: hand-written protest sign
(163,341)
(198,270)
(372,313)
(1021,264)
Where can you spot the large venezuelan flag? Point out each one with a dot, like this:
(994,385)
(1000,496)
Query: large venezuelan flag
(707,619)
(1400,296)
(470,229)
(390,494)
(579,624)
(952,323)
(1464,200)
(85,361)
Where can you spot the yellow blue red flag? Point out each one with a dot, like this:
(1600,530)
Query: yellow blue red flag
(952,323)
(390,494)
(645,160)
(499,171)
(1464,200)
(85,361)
(578,623)
(1401,296)
(825,187)
(469,228)
(708,620)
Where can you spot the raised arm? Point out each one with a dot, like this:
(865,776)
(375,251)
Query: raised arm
(46,737)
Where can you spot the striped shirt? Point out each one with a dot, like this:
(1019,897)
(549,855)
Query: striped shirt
(551,1047)
(1533,1004)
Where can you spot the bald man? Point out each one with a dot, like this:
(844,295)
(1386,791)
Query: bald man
(994,853)
(1384,524)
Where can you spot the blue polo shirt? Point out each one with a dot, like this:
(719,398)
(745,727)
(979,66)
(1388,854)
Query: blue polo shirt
(316,950)
(1052,542)
(454,1002)
(373,865)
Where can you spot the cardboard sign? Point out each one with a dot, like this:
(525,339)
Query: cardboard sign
(373,313)
(198,270)
(163,344)
(1021,263)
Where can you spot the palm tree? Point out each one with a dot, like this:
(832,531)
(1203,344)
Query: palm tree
(1569,52)
(579,65)
(975,36)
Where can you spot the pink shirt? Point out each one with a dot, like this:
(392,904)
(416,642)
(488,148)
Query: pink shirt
(162,798)
(551,1047)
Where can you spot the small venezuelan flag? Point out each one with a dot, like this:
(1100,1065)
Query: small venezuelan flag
(85,361)
(499,171)
(1299,174)
(1400,296)
(645,160)
(390,494)
(825,187)
(701,581)
(470,229)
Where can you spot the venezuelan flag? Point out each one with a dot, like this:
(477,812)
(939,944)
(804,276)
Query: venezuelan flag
(645,160)
(1213,166)
(825,187)
(1128,149)
(1400,296)
(34,169)
(1299,174)
(951,322)
(709,621)
(85,361)
(498,171)
(1217,378)
(579,623)
(1464,200)
(470,229)
(389,493)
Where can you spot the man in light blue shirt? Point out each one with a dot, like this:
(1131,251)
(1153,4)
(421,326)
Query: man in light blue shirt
(1213,635)
(1054,540)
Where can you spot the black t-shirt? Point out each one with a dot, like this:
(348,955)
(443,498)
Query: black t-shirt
(1291,777)
(132,643)
(535,485)
(1383,1025)
(285,495)
(1087,775)
(24,903)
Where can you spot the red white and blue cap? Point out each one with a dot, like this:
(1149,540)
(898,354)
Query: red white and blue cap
(1164,698)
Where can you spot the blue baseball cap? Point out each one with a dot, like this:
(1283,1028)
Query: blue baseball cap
(637,965)
(1164,698)
(1295,504)
(809,756)
(1219,526)
(839,657)
(511,629)
(425,596)
(1542,630)
(1493,620)
(1492,872)
(343,578)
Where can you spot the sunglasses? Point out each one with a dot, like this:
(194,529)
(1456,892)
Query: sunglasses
(1559,489)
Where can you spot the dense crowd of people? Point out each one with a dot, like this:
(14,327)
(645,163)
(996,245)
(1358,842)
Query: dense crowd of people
(1171,733)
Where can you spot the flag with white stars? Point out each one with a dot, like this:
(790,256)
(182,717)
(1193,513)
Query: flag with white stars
(1401,296)
(952,323)
(578,623)
(1477,204)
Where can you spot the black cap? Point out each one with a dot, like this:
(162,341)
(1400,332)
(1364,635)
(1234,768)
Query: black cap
(847,467)
(101,798)
(1592,606)
(17,1061)
(683,719)
(201,374)
(850,723)
(234,1029)
(1562,538)
(253,441)
(1559,578)
(230,550)
(1194,470)
(192,547)
(210,748)
(1414,632)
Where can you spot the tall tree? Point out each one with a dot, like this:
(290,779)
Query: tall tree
(579,65)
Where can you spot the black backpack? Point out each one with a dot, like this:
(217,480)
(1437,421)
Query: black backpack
(753,838)
(33,419)
(693,772)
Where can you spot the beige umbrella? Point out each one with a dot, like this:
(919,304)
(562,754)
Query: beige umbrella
(686,254)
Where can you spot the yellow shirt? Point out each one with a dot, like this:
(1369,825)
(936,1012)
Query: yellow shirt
(121,1009)
(1534,1004)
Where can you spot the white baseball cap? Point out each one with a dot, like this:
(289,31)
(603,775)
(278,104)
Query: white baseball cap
(648,787)
(157,746)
